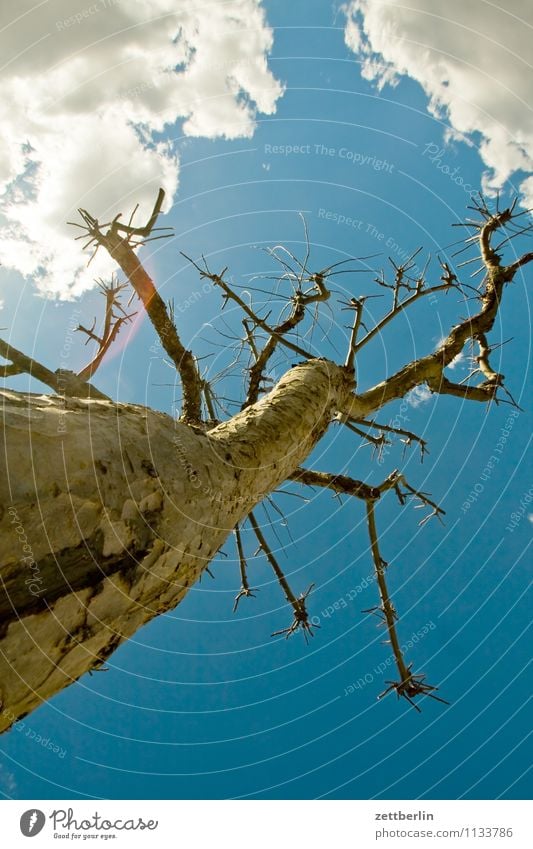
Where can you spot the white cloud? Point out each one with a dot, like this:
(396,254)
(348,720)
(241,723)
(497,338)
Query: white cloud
(85,92)
(419,395)
(473,60)
(459,360)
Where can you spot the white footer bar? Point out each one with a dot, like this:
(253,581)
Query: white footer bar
(267,824)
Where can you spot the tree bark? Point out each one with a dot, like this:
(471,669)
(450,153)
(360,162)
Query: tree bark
(110,512)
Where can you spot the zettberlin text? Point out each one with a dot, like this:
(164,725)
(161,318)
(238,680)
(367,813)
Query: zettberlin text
(399,815)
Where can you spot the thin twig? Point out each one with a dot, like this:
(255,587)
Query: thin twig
(112,325)
(410,436)
(301,617)
(245,586)
(230,295)
(409,686)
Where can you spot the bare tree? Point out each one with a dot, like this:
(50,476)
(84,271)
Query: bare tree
(110,512)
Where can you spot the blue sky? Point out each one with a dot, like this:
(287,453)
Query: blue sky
(205,704)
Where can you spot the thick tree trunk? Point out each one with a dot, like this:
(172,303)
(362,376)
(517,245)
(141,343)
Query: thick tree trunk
(110,512)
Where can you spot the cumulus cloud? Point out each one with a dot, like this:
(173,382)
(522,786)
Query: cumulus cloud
(473,60)
(418,396)
(87,93)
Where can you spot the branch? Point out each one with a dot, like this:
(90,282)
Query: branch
(256,376)
(430,368)
(156,309)
(120,248)
(378,442)
(62,382)
(442,386)
(521,262)
(245,586)
(355,304)
(10,370)
(149,226)
(491,377)
(299,301)
(340,484)
(409,686)
(396,310)
(27,365)
(112,325)
(301,617)
(403,281)
(396,480)
(230,295)
(410,436)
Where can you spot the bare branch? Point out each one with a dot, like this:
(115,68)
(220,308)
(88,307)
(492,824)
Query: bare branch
(378,442)
(337,483)
(409,686)
(299,302)
(429,369)
(398,480)
(521,262)
(482,392)
(491,377)
(256,375)
(410,436)
(356,304)
(149,226)
(209,398)
(62,382)
(230,295)
(301,617)
(10,370)
(112,325)
(27,365)
(397,308)
(121,249)
(245,586)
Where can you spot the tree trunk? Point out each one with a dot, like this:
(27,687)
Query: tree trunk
(110,512)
